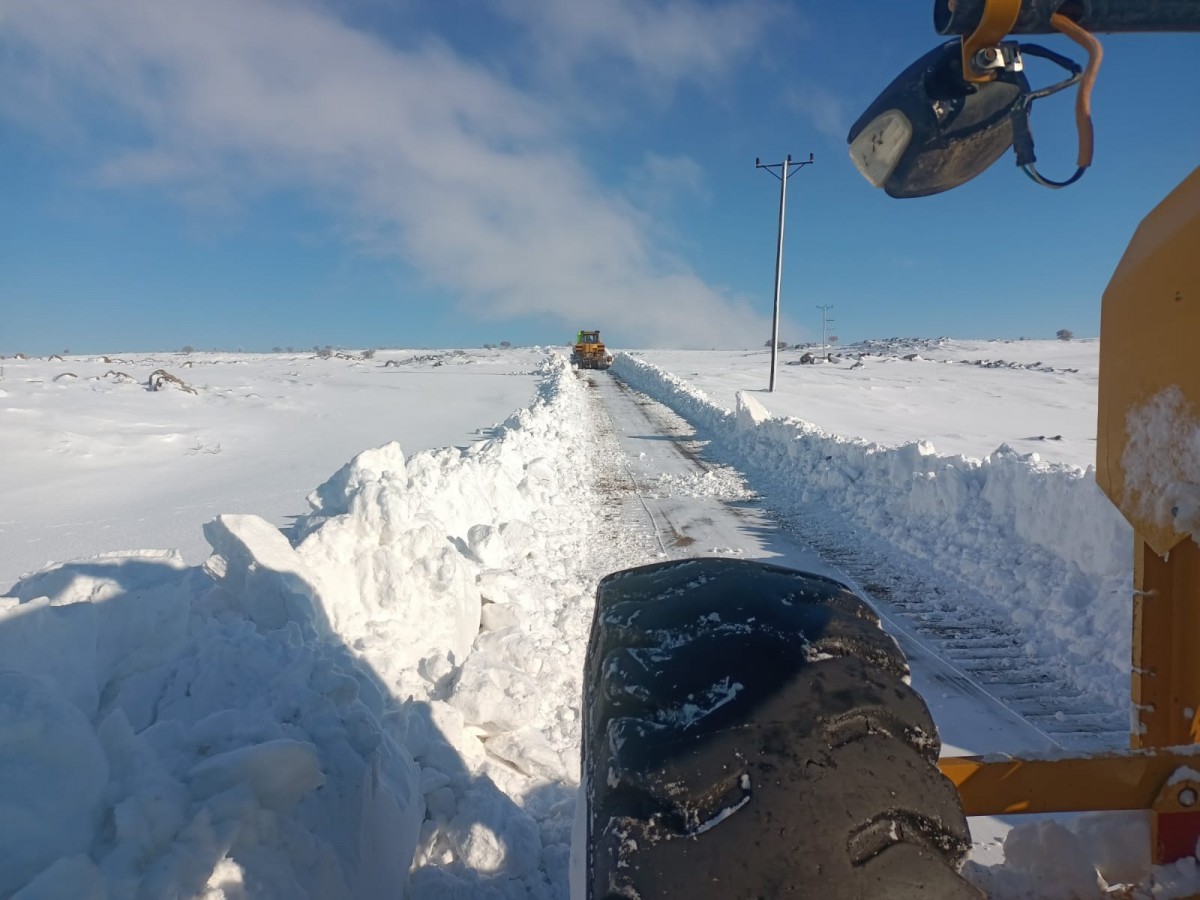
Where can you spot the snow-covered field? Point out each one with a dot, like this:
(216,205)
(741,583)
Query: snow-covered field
(964,397)
(386,692)
(94,462)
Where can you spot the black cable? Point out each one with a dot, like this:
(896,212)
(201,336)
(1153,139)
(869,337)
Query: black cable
(1023,108)
(1038,178)
(1064,62)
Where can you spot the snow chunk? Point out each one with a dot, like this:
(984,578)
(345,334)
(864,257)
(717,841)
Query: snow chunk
(333,497)
(52,778)
(389,562)
(750,412)
(498,616)
(73,876)
(494,696)
(388,830)
(262,576)
(1118,844)
(56,642)
(493,835)
(487,546)
(511,647)
(87,624)
(278,772)
(529,751)
(1181,879)
(1043,861)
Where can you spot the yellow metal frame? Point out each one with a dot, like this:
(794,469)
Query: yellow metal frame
(1159,781)
(999,787)
(1150,319)
(1149,325)
(997,20)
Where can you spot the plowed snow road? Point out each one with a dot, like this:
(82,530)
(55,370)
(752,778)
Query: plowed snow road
(671,497)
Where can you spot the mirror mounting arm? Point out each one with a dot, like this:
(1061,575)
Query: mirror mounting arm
(997,20)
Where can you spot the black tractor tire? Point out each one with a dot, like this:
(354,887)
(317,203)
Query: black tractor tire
(749,733)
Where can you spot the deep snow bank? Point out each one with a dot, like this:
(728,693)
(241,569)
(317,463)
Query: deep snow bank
(306,718)
(1039,542)
(156,748)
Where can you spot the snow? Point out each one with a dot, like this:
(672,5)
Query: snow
(1161,461)
(376,692)
(1045,859)
(45,740)
(1039,540)
(260,431)
(967,397)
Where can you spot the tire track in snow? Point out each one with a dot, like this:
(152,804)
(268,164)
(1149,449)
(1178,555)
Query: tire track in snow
(952,622)
(624,538)
(685,498)
(949,618)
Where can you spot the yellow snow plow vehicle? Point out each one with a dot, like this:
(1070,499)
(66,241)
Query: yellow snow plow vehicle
(748,731)
(590,352)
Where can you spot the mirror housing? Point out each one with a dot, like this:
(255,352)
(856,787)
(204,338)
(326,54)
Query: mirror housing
(930,130)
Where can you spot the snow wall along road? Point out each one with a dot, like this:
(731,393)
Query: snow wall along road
(1039,544)
(316,717)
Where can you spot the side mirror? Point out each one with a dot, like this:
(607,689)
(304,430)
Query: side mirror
(931,130)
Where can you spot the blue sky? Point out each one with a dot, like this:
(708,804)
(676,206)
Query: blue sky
(260,173)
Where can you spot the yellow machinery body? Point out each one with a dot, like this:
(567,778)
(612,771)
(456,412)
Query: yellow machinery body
(590,352)
(1148,463)
(1148,455)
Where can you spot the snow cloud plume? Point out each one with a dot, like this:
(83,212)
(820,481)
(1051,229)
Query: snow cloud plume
(420,151)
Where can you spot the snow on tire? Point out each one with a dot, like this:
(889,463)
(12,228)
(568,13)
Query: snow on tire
(749,733)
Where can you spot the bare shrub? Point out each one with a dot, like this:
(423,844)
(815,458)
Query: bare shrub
(161,379)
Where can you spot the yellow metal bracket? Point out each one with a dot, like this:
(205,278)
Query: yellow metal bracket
(1163,781)
(997,20)
(1001,785)
(1174,824)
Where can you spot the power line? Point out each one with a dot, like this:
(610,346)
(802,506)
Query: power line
(825,323)
(787,169)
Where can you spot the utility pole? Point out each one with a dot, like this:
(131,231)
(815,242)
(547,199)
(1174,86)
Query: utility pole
(787,169)
(825,323)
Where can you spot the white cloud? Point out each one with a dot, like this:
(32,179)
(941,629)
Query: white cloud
(665,41)
(471,181)
(826,110)
(663,178)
